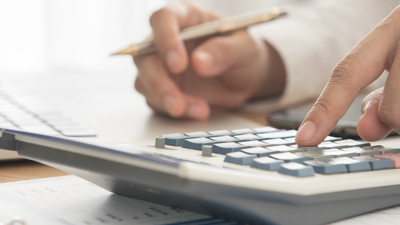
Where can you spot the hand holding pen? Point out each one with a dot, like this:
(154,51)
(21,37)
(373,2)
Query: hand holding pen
(186,79)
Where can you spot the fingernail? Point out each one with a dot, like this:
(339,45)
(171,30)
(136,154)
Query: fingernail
(173,59)
(170,104)
(194,111)
(307,131)
(206,58)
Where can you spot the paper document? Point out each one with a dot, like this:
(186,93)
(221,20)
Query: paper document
(70,200)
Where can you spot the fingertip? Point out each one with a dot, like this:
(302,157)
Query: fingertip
(198,110)
(174,105)
(204,63)
(370,128)
(306,133)
(176,61)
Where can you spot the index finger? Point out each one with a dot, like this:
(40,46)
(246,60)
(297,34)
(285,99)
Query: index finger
(167,23)
(365,63)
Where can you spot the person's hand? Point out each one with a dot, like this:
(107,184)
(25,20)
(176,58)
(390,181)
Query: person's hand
(224,71)
(378,51)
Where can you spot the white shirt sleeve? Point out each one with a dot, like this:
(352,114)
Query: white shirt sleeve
(315,36)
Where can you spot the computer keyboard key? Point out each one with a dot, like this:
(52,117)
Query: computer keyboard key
(352,165)
(326,167)
(225,148)
(382,149)
(197,143)
(253,143)
(376,163)
(279,134)
(361,151)
(266,129)
(175,139)
(219,132)
(296,169)
(290,157)
(266,163)
(240,158)
(258,151)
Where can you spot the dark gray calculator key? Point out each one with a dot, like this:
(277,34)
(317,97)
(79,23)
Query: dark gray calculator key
(197,134)
(296,169)
(382,149)
(253,143)
(258,151)
(352,143)
(352,165)
(175,139)
(326,167)
(376,163)
(242,131)
(246,137)
(266,163)
(225,148)
(279,134)
(240,158)
(219,132)
(361,151)
(284,148)
(266,129)
(197,143)
(290,157)
(276,141)
(314,155)
(337,153)
(224,139)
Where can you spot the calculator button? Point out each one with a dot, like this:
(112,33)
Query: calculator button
(279,134)
(197,143)
(219,132)
(296,169)
(382,150)
(265,129)
(246,137)
(224,148)
(290,157)
(197,134)
(337,153)
(276,141)
(332,138)
(314,155)
(329,144)
(224,138)
(376,163)
(260,152)
(284,148)
(253,143)
(361,151)
(242,131)
(175,139)
(326,167)
(352,165)
(394,157)
(240,158)
(352,143)
(266,163)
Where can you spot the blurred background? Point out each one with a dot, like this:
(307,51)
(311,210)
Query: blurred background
(41,35)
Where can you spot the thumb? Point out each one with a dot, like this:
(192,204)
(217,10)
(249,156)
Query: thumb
(219,54)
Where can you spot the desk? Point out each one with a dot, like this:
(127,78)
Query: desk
(28,170)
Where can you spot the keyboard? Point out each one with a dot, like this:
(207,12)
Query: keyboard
(245,176)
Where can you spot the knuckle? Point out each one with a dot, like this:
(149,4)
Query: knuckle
(345,71)
(388,114)
(159,15)
(326,107)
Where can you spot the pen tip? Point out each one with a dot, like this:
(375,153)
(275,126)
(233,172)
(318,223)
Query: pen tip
(131,50)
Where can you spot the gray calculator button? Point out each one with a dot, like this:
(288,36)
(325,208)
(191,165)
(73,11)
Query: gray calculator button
(224,139)
(382,149)
(279,134)
(314,155)
(352,165)
(326,167)
(376,163)
(259,151)
(175,139)
(240,158)
(296,169)
(242,131)
(246,137)
(197,143)
(265,129)
(266,163)
(290,157)
(224,148)
(219,132)
(352,143)
(206,150)
(197,134)
(252,143)
(160,142)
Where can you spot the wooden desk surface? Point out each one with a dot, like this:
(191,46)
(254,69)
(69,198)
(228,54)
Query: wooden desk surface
(28,170)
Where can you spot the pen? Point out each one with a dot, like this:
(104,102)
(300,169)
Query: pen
(220,27)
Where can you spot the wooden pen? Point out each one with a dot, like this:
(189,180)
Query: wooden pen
(216,27)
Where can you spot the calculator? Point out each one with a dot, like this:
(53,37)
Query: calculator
(246,176)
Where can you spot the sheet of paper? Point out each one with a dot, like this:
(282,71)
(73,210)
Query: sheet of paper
(70,200)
